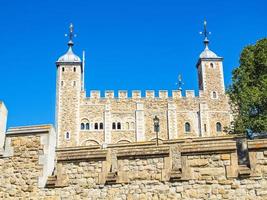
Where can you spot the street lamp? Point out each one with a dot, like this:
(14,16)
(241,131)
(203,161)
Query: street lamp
(156,128)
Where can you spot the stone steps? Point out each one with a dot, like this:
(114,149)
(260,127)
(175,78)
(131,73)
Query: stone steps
(51,182)
(111,178)
(175,175)
(243,171)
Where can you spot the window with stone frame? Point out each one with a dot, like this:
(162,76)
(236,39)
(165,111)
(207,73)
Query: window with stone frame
(211,65)
(96,126)
(87,126)
(119,126)
(114,126)
(67,136)
(101,126)
(82,126)
(214,95)
(218,127)
(127,125)
(187,127)
(132,126)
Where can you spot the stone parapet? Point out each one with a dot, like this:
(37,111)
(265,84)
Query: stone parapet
(175,169)
(82,154)
(137,94)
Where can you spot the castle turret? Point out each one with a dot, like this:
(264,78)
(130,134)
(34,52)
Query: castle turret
(210,70)
(69,86)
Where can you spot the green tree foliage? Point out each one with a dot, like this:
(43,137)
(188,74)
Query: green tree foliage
(248,92)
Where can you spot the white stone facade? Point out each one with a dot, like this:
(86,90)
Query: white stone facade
(97,120)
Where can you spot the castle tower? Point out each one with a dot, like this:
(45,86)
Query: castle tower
(210,70)
(69,87)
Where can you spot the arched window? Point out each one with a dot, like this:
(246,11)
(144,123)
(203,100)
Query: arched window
(87,126)
(119,125)
(127,125)
(67,135)
(132,125)
(113,125)
(82,126)
(101,126)
(218,127)
(96,126)
(74,69)
(211,65)
(214,95)
(187,127)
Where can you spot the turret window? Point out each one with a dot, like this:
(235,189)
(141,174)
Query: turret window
(67,136)
(74,69)
(187,127)
(74,83)
(63,69)
(211,65)
(218,127)
(62,83)
(214,95)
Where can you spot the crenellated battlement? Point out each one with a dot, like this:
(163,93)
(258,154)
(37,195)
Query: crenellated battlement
(148,94)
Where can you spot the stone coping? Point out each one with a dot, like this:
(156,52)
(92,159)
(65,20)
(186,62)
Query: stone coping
(202,139)
(80,155)
(29,130)
(80,148)
(134,144)
(209,147)
(204,145)
(257,144)
(137,152)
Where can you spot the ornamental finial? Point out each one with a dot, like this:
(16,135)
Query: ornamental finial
(205,33)
(71,35)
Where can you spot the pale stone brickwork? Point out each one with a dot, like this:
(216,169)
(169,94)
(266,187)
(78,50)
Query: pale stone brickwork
(128,117)
(198,168)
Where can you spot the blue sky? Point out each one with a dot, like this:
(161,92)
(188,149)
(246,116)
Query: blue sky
(142,44)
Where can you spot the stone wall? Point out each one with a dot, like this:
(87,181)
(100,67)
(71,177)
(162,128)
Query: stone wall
(136,113)
(192,168)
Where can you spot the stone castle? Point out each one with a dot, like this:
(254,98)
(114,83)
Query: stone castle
(99,120)
(107,148)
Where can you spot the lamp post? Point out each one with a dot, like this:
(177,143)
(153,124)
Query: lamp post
(156,129)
